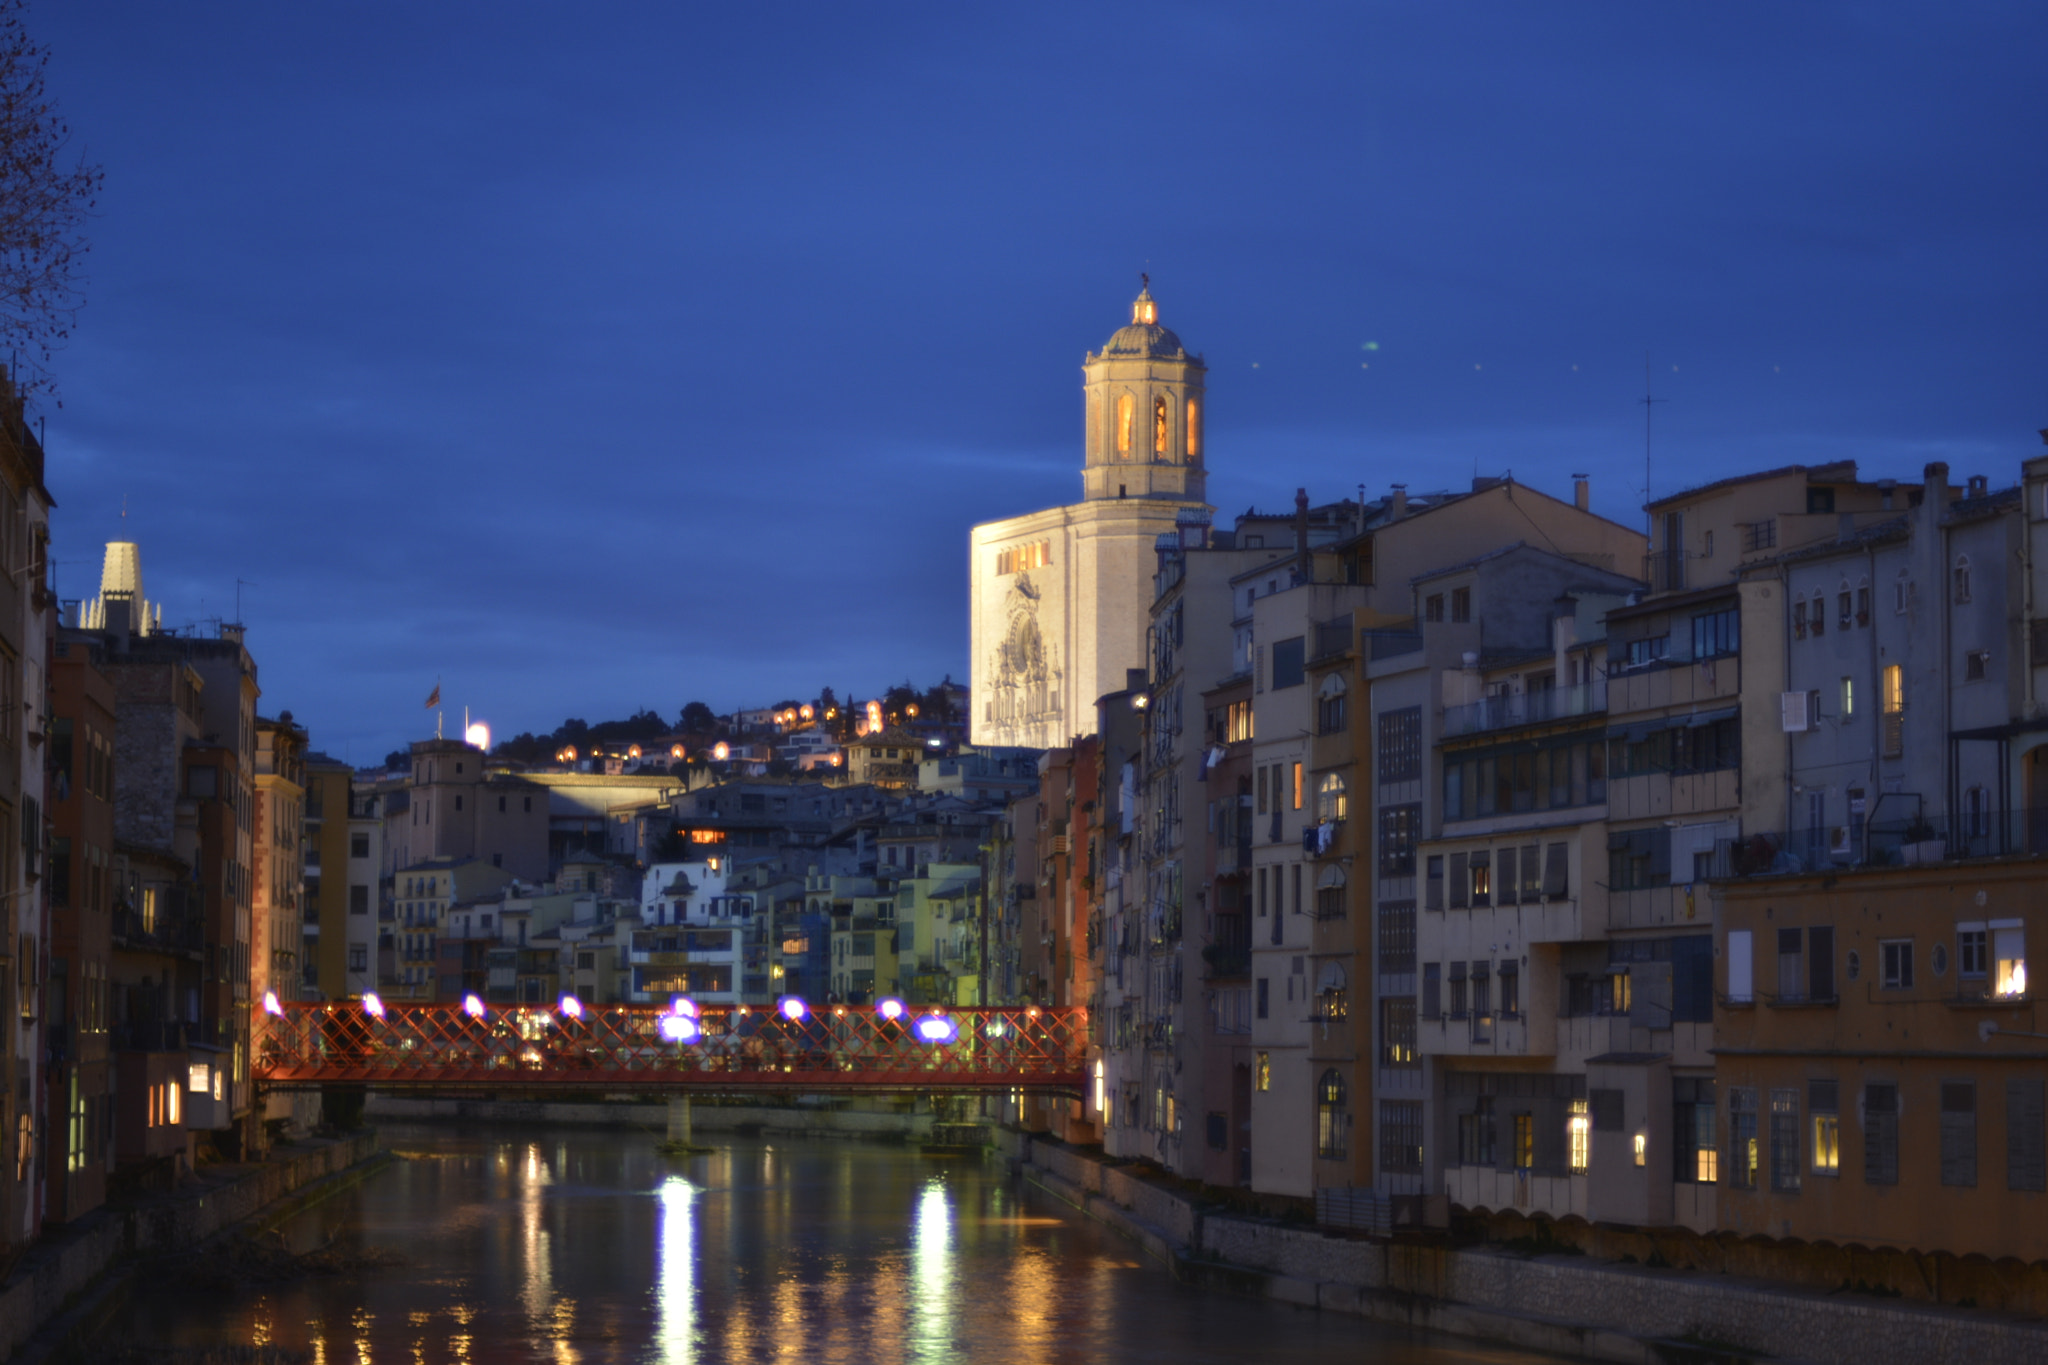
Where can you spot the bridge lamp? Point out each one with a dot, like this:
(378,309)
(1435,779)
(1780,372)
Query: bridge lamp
(890,1008)
(685,1006)
(792,1008)
(270,1005)
(680,1028)
(937,1028)
(572,1008)
(373,1004)
(473,1006)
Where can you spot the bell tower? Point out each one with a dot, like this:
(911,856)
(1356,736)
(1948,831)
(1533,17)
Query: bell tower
(1145,409)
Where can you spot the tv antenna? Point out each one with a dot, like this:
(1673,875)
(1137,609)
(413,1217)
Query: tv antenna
(1649,400)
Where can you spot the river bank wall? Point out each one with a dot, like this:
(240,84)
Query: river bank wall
(71,1264)
(1562,1304)
(874,1120)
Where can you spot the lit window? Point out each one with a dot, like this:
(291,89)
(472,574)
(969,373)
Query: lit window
(1642,1149)
(1579,1136)
(1262,1070)
(1126,414)
(1848,697)
(1331,798)
(2008,960)
(1160,423)
(1194,430)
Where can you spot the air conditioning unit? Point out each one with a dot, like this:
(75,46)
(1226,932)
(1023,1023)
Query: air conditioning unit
(1838,841)
(1795,711)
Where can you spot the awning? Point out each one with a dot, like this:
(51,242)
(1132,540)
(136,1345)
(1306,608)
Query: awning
(1699,718)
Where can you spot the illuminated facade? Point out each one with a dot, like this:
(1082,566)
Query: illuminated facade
(1058,598)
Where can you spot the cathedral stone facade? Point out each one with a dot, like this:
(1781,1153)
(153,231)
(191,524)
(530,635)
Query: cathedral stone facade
(1058,598)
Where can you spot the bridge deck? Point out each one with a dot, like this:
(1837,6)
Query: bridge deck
(721,1048)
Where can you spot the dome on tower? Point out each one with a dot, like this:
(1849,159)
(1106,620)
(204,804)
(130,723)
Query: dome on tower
(1144,338)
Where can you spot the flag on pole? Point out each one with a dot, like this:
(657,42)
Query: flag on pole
(434,699)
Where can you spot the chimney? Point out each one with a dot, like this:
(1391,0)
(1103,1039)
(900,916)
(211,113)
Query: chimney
(1935,484)
(1400,509)
(1582,493)
(1301,559)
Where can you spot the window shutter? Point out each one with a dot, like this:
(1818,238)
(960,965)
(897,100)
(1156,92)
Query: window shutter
(1741,985)
(1958,1133)
(1461,882)
(1532,880)
(1881,1134)
(2026,1135)
(1432,991)
(1692,979)
(1557,871)
(1649,995)
(1820,965)
(1792,710)
(1506,886)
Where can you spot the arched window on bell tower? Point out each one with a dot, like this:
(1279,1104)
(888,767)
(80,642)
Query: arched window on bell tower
(1126,419)
(1194,430)
(1161,446)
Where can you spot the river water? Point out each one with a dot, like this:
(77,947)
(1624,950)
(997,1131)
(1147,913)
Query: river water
(584,1248)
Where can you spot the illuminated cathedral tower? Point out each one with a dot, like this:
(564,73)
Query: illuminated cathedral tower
(1058,599)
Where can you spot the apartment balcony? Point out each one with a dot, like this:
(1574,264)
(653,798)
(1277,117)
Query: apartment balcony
(1884,843)
(1525,708)
(1389,644)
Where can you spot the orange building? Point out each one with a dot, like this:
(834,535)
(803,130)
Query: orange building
(1881,1058)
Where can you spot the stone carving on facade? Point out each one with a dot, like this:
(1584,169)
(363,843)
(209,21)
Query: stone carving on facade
(1024,672)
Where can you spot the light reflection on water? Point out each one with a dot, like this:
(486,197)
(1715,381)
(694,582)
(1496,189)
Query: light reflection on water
(588,1248)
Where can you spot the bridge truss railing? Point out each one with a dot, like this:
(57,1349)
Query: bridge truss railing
(721,1048)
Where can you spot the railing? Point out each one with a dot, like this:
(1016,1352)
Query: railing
(1664,570)
(177,927)
(1332,638)
(1525,708)
(1890,843)
(1226,960)
(720,1048)
(1388,644)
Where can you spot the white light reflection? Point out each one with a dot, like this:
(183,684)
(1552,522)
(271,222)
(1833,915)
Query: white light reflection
(931,1262)
(675,1288)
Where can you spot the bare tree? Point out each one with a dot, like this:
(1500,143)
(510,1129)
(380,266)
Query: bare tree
(45,199)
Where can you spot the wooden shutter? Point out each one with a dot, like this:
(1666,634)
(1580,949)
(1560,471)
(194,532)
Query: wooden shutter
(1649,1003)
(1461,882)
(2026,1135)
(1820,965)
(1959,1133)
(1881,1134)
(1557,871)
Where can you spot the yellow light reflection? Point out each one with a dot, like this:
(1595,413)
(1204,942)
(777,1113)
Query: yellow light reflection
(676,1284)
(931,1263)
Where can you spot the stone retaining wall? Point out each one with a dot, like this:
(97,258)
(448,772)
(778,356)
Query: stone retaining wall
(653,1118)
(1562,1304)
(61,1268)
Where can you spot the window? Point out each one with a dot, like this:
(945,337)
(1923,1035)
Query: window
(1194,430)
(1401,1136)
(1971,944)
(1397,936)
(1819,500)
(1262,1064)
(1400,745)
(1237,724)
(1825,1122)
(1716,634)
(1525,1142)
(1902,593)
(1333,1119)
(1892,702)
(1842,603)
(1482,878)
(1880,1134)
(1644,652)
(1433,607)
(1799,618)
(1397,841)
(1695,1158)
(1432,991)
(2008,960)
(1785,1141)
(1461,604)
(1289,661)
(1331,706)
(1331,803)
(1511,989)
(1433,884)
(1578,1130)
(1959,1133)
(1848,700)
(1475,1134)
(1457,990)
(1962,579)
(1397,1032)
(1741,986)
(358,845)
(358,958)
(359,900)
(1556,871)
(1976,665)
(1896,958)
(1791,965)
(1160,424)
(1296,788)
(1126,417)
(1743,1157)
(1863,601)
(1707,545)
(1264,997)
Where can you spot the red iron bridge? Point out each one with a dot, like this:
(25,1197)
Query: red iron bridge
(789,1046)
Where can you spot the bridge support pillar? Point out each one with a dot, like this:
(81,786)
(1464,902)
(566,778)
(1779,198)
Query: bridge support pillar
(679,1119)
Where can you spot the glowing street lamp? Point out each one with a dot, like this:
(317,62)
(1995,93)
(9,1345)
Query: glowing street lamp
(675,751)
(572,1008)
(792,1008)
(890,1008)
(936,1028)
(373,1004)
(473,1006)
(270,1004)
(478,735)
(721,751)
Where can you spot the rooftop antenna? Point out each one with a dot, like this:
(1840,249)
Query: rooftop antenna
(1649,401)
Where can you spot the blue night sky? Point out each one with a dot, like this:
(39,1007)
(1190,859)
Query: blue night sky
(605,356)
